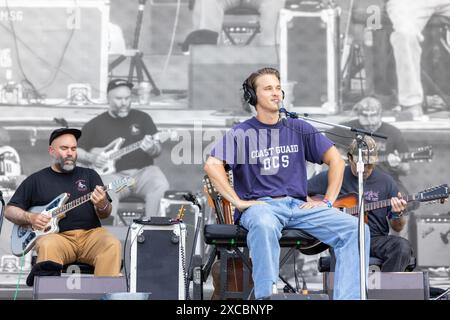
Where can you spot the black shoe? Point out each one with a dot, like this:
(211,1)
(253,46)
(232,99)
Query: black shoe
(44,268)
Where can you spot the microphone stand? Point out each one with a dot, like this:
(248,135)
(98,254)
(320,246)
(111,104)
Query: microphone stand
(360,169)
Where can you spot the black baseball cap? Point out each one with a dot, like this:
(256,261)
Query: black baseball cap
(118,83)
(59,132)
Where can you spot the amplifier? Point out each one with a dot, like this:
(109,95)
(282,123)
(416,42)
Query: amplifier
(55,45)
(309,59)
(158,257)
(390,285)
(433,237)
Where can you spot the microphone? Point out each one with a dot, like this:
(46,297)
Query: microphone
(283,113)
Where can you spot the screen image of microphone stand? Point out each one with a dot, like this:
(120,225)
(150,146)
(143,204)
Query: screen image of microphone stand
(137,63)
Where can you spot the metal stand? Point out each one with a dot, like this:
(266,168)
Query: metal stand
(360,169)
(361,224)
(137,63)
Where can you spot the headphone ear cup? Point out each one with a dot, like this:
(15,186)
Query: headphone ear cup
(249,94)
(282,91)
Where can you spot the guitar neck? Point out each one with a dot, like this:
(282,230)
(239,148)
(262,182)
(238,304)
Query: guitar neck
(404,156)
(75,203)
(369,206)
(125,150)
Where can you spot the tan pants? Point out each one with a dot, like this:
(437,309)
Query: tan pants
(97,247)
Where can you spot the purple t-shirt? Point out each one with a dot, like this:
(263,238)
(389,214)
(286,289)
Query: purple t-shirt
(269,160)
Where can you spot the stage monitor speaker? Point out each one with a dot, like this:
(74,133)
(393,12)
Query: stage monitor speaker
(309,59)
(77,286)
(158,259)
(390,285)
(433,241)
(54,45)
(216,74)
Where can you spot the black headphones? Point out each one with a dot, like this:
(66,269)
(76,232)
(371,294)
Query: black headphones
(250,94)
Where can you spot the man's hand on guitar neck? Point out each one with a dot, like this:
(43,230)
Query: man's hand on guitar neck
(98,160)
(150,145)
(396,164)
(398,205)
(101,202)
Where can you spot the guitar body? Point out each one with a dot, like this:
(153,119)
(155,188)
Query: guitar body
(23,238)
(346,201)
(107,151)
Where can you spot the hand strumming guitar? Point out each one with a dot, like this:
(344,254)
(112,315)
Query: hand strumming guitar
(38,221)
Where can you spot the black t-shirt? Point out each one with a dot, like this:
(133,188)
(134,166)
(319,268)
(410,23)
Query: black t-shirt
(378,186)
(103,129)
(395,141)
(42,187)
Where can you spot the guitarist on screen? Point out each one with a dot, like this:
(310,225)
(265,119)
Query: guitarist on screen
(118,128)
(395,251)
(81,237)
(369,117)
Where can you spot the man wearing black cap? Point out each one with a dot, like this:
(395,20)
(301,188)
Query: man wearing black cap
(81,237)
(395,251)
(125,126)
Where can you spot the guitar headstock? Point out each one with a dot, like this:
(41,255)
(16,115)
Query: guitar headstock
(120,184)
(434,193)
(422,153)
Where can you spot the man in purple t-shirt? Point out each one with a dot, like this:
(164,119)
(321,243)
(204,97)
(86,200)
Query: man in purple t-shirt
(270,187)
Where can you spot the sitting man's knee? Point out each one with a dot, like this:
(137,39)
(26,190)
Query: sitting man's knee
(403,247)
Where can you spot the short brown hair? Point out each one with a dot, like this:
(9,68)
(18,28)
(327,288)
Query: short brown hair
(251,80)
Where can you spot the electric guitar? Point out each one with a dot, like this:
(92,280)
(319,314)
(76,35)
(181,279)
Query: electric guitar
(114,152)
(348,203)
(23,237)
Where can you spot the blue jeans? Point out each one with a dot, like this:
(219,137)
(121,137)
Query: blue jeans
(339,230)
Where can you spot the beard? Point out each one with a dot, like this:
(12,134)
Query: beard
(65,165)
(373,127)
(121,112)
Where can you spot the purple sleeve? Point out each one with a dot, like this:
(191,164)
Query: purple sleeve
(316,144)
(225,149)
